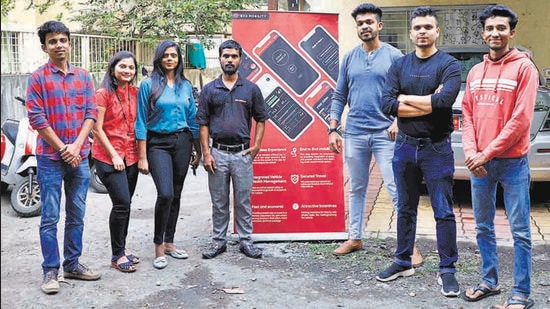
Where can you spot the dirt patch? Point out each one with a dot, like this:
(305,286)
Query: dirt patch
(291,274)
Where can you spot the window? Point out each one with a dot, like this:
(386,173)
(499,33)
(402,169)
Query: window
(458,25)
(10,52)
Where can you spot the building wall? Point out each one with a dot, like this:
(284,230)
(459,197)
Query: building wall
(532,31)
(22,19)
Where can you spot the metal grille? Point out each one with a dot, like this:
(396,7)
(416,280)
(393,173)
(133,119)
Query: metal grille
(10,54)
(396,28)
(21,51)
(458,25)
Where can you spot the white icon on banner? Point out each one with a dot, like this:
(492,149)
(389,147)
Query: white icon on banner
(294,178)
(295,206)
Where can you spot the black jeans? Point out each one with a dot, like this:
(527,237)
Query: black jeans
(168,156)
(121,186)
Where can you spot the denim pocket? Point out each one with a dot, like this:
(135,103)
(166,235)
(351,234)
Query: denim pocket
(442,147)
(399,142)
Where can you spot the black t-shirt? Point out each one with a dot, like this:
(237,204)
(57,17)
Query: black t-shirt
(411,75)
(228,112)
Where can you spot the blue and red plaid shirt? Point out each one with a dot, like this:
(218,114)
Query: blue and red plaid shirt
(60,101)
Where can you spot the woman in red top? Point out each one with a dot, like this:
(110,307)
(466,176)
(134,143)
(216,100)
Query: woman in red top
(115,150)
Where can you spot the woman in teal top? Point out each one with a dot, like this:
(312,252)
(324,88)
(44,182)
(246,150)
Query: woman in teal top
(166,132)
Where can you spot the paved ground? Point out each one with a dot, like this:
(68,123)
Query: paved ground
(381,217)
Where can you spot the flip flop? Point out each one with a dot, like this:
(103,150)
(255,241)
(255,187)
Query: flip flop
(160,262)
(177,254)
(526,303)
(485,292)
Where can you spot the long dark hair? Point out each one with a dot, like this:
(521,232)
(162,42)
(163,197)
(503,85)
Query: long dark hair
(109,81)
(158,77)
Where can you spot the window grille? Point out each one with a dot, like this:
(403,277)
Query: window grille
(21,52)
(76,50)
(10,52)
(458,25)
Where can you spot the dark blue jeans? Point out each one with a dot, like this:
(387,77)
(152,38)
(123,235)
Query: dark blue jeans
(121,186)
(168,156)
(53,177)
(435,163)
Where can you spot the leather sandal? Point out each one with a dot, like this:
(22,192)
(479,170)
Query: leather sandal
(131,256)
(515,303)
(485,292)
(117,262)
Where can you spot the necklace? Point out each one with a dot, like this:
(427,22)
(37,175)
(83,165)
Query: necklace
(130,131)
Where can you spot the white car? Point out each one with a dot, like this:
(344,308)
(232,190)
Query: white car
(539,154)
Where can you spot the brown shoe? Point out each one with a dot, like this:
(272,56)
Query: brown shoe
(349,246)
(82,272)
(416,258)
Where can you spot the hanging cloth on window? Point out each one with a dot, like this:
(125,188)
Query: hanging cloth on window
(195,54)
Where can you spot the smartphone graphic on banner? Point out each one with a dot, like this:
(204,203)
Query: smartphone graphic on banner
(284,112)
(283,59)
(322,48)
(248,68)
(320,101)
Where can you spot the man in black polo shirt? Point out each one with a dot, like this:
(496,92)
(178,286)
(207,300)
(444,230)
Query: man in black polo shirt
(420,90)
(226,107)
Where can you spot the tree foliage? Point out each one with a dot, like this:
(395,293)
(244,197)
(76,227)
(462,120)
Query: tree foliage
(171,19)
(7,6)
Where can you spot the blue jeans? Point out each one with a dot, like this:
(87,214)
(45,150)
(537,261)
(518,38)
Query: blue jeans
(236,169)
(434,162)
(358,152)
(51,176)
(514,177)
(168,156)
(121,186)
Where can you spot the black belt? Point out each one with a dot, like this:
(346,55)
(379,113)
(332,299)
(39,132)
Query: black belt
(229,148)
(160,134)
(418,141)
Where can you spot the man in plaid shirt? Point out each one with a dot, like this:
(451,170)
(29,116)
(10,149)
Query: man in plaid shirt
(60,107)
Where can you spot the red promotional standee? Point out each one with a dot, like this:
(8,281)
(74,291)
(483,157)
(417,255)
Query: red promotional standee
(298,191)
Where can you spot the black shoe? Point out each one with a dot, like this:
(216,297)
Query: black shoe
(449,285)
(214,251)
(395,271)
(250,250)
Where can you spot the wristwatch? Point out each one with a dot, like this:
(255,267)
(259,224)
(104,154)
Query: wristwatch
(330,130)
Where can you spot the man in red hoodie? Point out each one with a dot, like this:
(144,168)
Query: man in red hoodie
(497,110)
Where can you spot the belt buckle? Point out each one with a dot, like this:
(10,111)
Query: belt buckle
(235,148)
